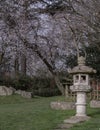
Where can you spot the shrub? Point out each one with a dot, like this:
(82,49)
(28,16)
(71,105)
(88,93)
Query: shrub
(39,86)
(23,83)
(45,87)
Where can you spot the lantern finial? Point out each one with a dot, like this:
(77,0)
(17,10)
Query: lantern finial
(81,60)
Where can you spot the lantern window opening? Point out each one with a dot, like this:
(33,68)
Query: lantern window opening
(76,79)
(83,79)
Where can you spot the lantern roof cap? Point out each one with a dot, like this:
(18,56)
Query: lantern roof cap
(81,67)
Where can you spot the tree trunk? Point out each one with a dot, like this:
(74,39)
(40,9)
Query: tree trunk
(66,91)
(23,64)
(59,85)
(16,66)
(35,48)
(1,57)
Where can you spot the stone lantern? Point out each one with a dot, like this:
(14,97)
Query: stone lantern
(81,85)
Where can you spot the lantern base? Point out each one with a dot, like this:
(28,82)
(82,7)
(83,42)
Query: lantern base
(76,119)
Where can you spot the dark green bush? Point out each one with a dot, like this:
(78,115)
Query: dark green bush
(47,92)
(45,87)
(23,83)
(39,86)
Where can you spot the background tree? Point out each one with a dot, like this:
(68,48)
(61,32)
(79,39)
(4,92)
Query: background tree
(50,30)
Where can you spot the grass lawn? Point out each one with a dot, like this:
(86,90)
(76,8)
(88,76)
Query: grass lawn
(92,124)
(17,113)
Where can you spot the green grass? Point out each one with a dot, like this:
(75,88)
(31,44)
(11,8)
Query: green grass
(17,113)
(93,123)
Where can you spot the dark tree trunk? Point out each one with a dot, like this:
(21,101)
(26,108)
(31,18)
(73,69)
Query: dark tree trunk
(16,66)
(23,64)
(59,84)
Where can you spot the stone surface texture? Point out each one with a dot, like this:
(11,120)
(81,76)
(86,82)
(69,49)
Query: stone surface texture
(76,119)
(24,93)
(68,123)
(81,104)
(82,68)
(4,91)
(95,104)
(62,105)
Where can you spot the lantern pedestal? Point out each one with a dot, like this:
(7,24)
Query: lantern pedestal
(81,104)
(80,91)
